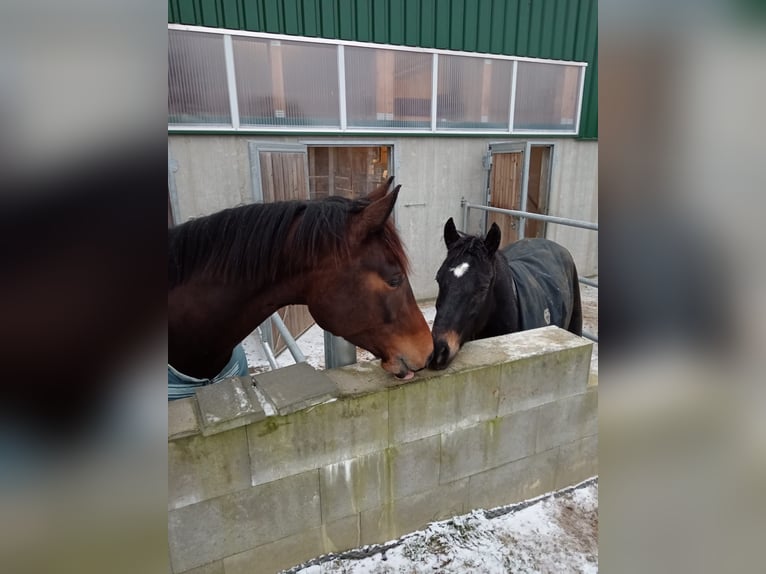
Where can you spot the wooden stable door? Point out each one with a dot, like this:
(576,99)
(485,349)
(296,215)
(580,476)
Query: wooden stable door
(506,187)
(279,172)
(505,179)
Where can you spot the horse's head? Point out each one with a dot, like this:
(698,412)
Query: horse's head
(465,279)
(364,295)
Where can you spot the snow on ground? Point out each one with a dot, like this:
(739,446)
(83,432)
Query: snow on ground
(557,533)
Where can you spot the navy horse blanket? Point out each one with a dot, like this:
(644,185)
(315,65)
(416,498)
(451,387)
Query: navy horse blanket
(181,386)
(546,284)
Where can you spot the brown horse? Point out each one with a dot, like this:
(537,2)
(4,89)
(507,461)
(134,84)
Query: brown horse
(229,271)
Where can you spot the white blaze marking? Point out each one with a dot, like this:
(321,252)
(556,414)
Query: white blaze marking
(460,270)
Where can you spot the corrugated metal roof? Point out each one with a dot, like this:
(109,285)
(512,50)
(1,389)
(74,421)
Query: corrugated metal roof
(558,29)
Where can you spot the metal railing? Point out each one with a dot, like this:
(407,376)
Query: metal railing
(465,205)
(267,340)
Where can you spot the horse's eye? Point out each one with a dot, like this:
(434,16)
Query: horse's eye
(396,280)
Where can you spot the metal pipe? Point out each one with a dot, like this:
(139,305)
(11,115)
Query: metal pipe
(590,336)
(337,351)
(588,282)
(464,205)
(550,218)
(288,338)
(521,231)
(267,349)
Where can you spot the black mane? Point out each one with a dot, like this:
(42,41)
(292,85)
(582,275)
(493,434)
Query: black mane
(259,242)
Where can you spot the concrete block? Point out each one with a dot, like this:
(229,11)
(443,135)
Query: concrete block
(415,466)
(577,461)
(211,568)
(282,554)
(339,535)
(296,387)
(413,512)
(200,468)
(457,399)
(316,437)
(227,405)
(516,481)
(182,418)
(353,485)
(574,374)
(567,419)
(364,378)
(533,381)
(518,346)
(487,445)
(230,524)
(377,479)
(544,365)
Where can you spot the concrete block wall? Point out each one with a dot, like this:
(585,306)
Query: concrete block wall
(364,458)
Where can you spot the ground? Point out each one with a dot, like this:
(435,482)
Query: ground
(557,533)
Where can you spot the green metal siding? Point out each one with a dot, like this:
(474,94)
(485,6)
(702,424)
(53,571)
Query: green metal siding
(557,29)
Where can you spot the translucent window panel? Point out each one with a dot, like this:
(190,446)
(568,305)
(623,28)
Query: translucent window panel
(197,90)
(546,97)
(473,93)
(388,88)
(286,83)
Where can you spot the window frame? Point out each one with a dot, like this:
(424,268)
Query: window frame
(343,127)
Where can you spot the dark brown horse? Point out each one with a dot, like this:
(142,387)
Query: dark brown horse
(229,271)
(484,292)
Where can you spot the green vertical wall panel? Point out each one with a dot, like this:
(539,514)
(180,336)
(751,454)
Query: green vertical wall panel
(363,30)
(293,23)
(511,25)
(271,18)
(310,17)
(484,26)
(582,29)
(523,28)
(442,30)
(187,13)
(412,23)
(231,18)
(534,45)
(427,24)
(558,29)
(396,21)
(497,23)
(547,27)
(380,21)
(346,17)
(209,13)
(470,24)
(327,21)
(250,18)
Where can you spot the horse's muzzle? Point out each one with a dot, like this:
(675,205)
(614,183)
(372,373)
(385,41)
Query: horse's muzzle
(446,346)
(441,355)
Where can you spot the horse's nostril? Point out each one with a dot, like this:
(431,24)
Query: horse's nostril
(428,360)
(440,354)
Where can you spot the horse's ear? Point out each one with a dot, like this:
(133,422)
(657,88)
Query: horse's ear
(375,215)
(492,241)
(450,233)
(380,191)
